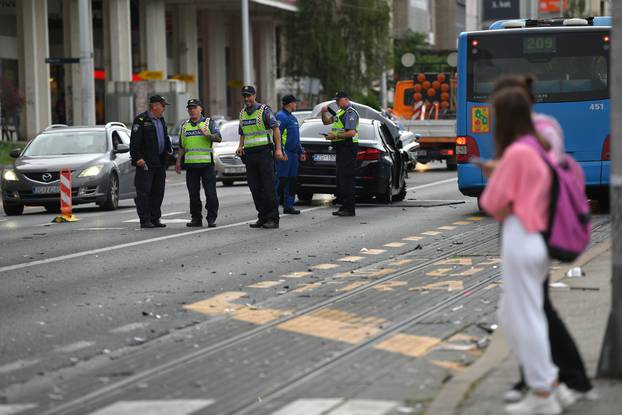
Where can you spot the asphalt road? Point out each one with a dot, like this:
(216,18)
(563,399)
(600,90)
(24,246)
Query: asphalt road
(323,313)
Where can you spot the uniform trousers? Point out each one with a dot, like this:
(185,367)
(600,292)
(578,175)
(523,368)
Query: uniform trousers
(149,192)
(195,176)
(346,174)
(260,178)
(287,178)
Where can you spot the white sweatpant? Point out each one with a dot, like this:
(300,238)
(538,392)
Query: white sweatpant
(525,265)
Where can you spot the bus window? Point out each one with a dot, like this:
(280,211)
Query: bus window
(572,66)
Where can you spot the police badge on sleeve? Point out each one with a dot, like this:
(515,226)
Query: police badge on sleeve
(135,127)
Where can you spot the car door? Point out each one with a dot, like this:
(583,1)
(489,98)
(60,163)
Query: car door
(394,154)
(126,170)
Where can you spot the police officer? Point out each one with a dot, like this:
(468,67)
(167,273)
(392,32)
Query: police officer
(197,135)
(149,147)
(287,170)
(344,136)
(259,138)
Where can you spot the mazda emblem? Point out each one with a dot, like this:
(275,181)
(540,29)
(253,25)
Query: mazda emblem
(47,177)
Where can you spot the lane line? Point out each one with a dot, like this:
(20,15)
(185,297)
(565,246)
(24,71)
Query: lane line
(424,186)
(160,238)
(19,364)
(155,407)
(74,347)
(128,327)
(130,244)
(10,409)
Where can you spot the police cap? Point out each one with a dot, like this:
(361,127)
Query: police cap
(194,103)
(158,98)
(248,90)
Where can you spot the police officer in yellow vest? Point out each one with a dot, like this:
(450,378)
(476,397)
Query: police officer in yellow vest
(196,139)
(260,143)
(345,137)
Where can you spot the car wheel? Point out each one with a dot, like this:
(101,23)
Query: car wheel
(387,196)
(13,209)
(227,183)
(55,208)
(451,165)
(402,193)
(112,197)
(305,196)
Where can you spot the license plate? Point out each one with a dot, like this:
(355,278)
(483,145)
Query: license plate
(44,190)
(325,157)
(235,170)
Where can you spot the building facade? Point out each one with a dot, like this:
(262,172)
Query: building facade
(178,48)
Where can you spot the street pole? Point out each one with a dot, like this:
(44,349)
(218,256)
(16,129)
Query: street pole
(383,90)
(87,80)
(246,51)
(610,362)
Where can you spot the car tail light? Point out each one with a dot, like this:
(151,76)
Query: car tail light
(606,153)
(368,154)
(466,147)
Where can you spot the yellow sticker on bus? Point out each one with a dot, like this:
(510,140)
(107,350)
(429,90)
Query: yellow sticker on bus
(480,120)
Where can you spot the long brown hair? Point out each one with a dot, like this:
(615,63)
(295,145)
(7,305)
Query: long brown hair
(512,108)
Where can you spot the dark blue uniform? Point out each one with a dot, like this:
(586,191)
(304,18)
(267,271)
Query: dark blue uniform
(287,170)
(149,141)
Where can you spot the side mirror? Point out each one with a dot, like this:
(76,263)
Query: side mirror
(15,153)
(122,148)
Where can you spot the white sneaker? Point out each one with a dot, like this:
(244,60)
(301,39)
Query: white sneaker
(590,395)
(513,395)
(535,405)
(564,396)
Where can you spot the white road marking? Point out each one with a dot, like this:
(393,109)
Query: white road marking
(129,327)
(423,186)
(161,220)
(172,214)
(16,408)
(337,406)
(365,407)
(309,407)
(160,238)
(3,220)
(100,229)
(19,364)
(155,407)
(74,347)
(130,244)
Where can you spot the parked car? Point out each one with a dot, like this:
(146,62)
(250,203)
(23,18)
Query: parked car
(229,167)
(381,162)
(301,115)
(98,158)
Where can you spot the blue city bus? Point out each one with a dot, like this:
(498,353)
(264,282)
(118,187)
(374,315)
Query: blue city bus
(569,59)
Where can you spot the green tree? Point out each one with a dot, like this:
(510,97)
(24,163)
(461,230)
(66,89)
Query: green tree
(345,44)
(426,59)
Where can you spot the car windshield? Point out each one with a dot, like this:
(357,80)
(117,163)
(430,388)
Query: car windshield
(229,132)
(316,129)
(53,144)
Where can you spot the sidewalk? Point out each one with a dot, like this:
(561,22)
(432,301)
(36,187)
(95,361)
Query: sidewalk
(584,306)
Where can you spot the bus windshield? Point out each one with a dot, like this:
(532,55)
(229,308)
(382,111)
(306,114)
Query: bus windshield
(567,66)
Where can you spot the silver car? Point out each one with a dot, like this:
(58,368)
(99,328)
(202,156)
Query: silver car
(229,167)
(99,160)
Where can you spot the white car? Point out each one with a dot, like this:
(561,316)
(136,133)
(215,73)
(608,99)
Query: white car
(229,167)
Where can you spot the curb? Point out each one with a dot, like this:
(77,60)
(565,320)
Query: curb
(451,396)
